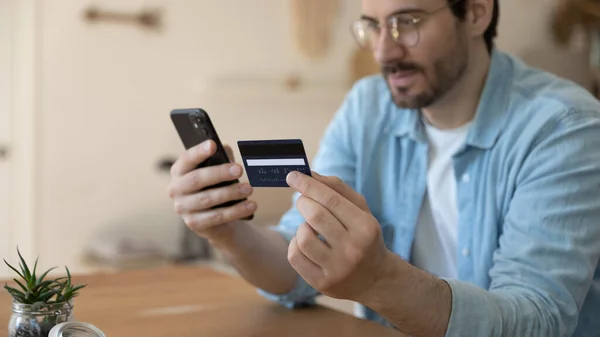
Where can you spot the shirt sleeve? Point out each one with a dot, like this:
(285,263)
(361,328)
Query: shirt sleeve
(336,156)
(549,248)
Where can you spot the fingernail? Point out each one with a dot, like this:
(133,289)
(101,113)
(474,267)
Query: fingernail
(235,170)
(245,189)
(207,146)
(251,205)
(292,177)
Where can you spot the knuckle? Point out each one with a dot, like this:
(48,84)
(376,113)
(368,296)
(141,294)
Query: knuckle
(304,186)
(171,191)
(174,170)
(215,218)
(233,192)
(316,216)
(335,180)
(236,212)
(179,207)
(224,172)
(304,241)
(293,254)
(203,200)
(331,200)
(197,178)
(353,255)
(301,202)
(372,230)
(361,198)
(190,221)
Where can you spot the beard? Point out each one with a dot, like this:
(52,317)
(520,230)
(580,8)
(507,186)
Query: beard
(439,78)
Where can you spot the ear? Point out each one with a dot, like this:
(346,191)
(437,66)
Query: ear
(479,16)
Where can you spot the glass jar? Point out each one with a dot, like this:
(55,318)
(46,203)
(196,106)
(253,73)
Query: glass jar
(75,329)
(33,320)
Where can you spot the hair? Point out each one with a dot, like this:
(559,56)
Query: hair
(460,11)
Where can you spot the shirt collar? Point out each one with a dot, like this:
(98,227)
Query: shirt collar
(487,122)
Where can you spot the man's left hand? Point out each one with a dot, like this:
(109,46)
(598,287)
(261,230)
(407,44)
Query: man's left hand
(352,256)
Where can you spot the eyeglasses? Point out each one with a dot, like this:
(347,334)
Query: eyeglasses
(402,28)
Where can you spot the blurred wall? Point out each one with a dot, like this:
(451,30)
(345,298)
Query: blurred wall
(524,30)
(5,121)
(106,89)
(106,93)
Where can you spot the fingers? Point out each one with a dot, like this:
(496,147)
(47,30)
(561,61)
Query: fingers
(343,209)
(321,221)
(210,198)
(343,189)
(202,221)
(311,245)
(192,157)
(197,180)
(302,264)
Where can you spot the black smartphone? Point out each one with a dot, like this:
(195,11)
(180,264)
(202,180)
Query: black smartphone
(194,127)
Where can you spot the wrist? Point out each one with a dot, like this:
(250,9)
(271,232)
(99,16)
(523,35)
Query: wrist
(222,235)
(387,280)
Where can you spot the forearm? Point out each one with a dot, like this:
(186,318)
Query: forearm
(259,255)
(420,304)
(415,302)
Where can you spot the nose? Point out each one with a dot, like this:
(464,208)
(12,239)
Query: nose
(386,49)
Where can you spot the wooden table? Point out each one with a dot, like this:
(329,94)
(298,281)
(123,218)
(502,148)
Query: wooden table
(196,301)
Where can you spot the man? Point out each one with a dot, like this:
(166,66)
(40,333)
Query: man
(458,194)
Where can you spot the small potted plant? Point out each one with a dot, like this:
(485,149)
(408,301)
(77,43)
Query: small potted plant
(39,303)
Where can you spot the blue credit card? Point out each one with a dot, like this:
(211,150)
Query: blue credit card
(268,162)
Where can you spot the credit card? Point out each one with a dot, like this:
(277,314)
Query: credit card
(268,162)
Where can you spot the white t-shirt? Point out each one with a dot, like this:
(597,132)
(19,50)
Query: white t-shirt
(436,235)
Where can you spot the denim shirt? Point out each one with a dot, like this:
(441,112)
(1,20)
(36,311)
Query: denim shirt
(528,197)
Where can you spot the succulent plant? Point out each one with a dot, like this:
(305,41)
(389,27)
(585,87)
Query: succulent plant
(40,291)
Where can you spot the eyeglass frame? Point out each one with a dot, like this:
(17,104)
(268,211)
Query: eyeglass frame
(415,21)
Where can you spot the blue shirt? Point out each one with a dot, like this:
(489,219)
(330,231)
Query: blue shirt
(528,196)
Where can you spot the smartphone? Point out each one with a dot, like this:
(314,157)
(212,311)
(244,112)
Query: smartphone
(194,127)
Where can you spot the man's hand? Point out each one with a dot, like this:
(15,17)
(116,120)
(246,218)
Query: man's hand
(352,256)
(194,201)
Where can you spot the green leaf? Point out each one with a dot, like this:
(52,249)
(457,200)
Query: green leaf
(13,291)
(26,270)
(47,295)
(34,268)
(13,268)
(79,287)
(19,299)
(41,286)
(68,276)
(20,284)
(16,295)
(44,274)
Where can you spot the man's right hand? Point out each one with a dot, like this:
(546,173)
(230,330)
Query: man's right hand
(195,206)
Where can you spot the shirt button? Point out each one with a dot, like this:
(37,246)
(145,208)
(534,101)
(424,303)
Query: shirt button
(466,252)
(466,178)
